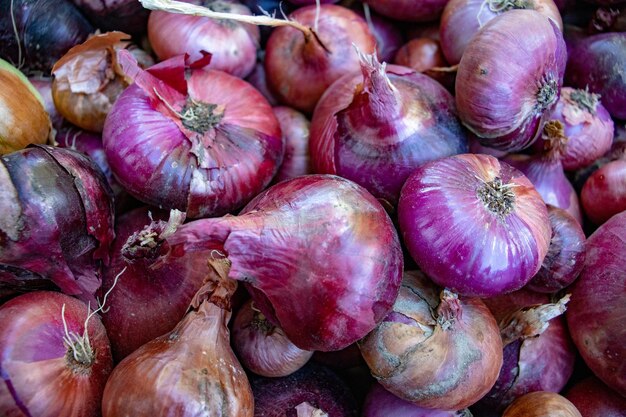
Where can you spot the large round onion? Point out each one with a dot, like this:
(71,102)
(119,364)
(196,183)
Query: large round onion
(541,404)
(474,224)
(509,79)
(594,399)
(596,313)
(604,192)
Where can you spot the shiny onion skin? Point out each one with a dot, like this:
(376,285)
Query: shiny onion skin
(57,217)
(594,399)
(258,80)
(299,69)
(474,224)
(204,143)
(296,131)
(24,118)
(604,192)
(597,310)
(420,54)
(434,349)
(409,10)
(375,127)
(542,404)
(462,19)
(264,348)
(41,374)
(190,371)
(509,79)
(598,62)
(233,45)
(318,253)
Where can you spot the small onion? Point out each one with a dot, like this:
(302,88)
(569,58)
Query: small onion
(474,224)
(541,404)
(409,10)
(604,192)
(594,399)
(295,127)
(509,79)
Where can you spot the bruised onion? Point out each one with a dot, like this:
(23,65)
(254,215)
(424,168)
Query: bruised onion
(318,253)
(55,357)
(474,224)
(264,348)
(409,10)
(57,217)
(509,79)
(190,371)
(597,309)
(377,126)
(541,404)
(295,127)
(434,349)
(604,192)
(198,140)
(594,399)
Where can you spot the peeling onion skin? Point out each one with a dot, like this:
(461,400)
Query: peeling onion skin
(566,254)
(597,311)
(541,404)
(509,79)
(465,237)
(604,192)
(409,10)
(38,377)
(594,399)
(442,354)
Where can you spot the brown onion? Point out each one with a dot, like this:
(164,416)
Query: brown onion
(541,404)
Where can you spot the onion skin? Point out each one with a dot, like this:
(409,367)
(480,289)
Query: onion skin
(458,241)
(594,399)
(409,10)
(597,62)
(258,80)
(566,254)
(233,45)
(435,351)
(35,360)
(420,54)
(310,69)
(502,95)
(541,404)
(604,192)
(597,310)
(24,118)
(296,131)
(462,19)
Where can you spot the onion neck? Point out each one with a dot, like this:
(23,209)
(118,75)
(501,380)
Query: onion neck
(501,6)
(449,309)
(585,100)
(378,98)
(260,323)
(554,140)
(497,197)
(547,93)
(149,243)
(200,117)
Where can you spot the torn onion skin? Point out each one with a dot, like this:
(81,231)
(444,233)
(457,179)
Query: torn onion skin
(542,404)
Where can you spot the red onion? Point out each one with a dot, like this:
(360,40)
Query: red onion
(57,217)
(474,224)
(594,399)
(608,19)
(295,127)
(264,348)
(233,45)
(617,152)
(190,371)
(604,193)
(15,281)
(44,86)
(125,15)
(566,254)
(205,143)
(320,237)
(421,54)
(509,79)
(381,403)
(313,391)
(435,349)
(596,62)
(387,34)
(54,357)
(596,312)
(409,10)
(383,120)
(258,80)
(462,19)
(541,404)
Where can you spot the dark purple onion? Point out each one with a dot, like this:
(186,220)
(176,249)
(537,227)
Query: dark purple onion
(608,19)
(125,15)
(594,399)
(409,10)
(295,128)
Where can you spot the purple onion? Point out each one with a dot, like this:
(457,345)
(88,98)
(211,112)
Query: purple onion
(473,224)
(387,34)
(295,129)
(409,10)
(258,80)
(125,15)
(594,399)
(509,79)
(604,192)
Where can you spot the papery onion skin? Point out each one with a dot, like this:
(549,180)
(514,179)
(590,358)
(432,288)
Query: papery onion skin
(24,118)
(541,404)
(604,192)
(462,244)
(435,350)
(39,377)
(264,348)
(594,399)
(233,45)
(299,70)
(318,235)
(566,254)
(462,19)
(502,95)
(409,10)
(597,310)
(377,126)
(597,62)
(296,131)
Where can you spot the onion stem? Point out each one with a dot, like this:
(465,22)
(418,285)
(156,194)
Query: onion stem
(20,62)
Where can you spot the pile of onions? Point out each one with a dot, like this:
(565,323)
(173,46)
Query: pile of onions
(541,404)
(509,79)
(474,224)
(296,130)
(198,140)
(54,356)
(597,309)
(57,217)
(434,349)
(377,126)
(318,253)
(24,118)
(594,399)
